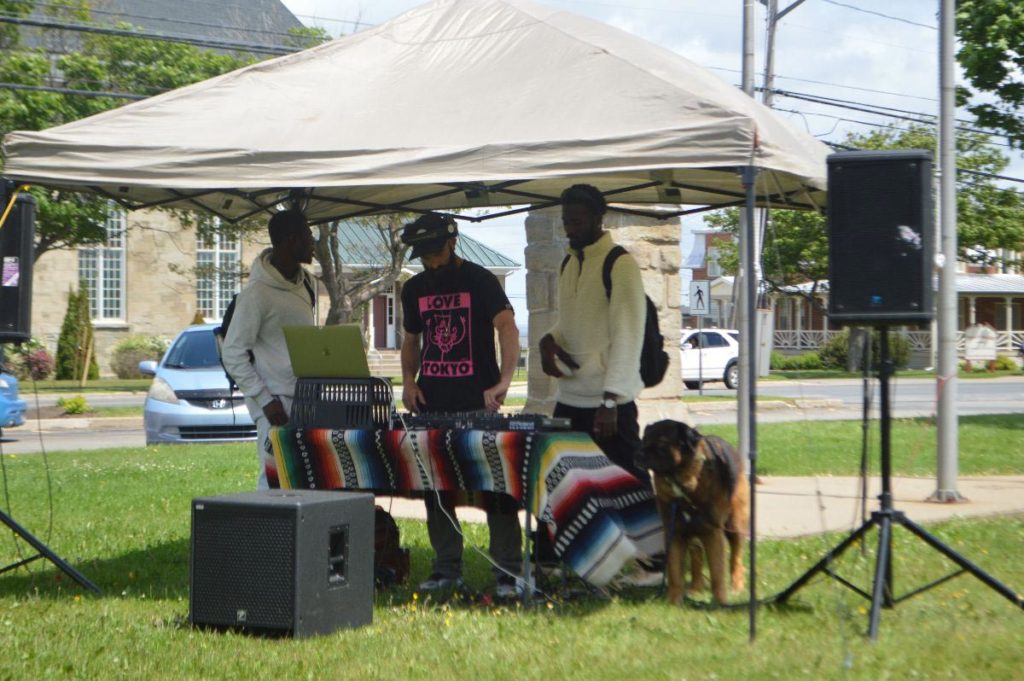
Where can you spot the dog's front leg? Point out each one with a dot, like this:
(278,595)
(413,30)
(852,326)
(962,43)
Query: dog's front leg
(714,544)
(675,560)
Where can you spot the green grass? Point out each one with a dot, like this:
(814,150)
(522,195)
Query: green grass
(122,518)
(131,385)
(989,445)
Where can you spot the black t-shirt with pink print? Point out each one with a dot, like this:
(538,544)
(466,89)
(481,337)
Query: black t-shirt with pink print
(453,312)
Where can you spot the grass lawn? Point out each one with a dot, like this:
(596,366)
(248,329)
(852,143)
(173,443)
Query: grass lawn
(122,518)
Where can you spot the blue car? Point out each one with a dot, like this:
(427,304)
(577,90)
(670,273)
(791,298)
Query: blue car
(190,399)
(12,409)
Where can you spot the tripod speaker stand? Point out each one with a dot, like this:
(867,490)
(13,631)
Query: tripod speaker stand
(885,518)
(43,552)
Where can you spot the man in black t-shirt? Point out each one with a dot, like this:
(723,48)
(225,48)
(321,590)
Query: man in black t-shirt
(450,313)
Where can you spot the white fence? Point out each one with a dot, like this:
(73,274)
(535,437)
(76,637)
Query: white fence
(796,342)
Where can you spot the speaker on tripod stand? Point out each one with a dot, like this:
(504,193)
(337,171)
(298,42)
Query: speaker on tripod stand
(881,227)
(17,234)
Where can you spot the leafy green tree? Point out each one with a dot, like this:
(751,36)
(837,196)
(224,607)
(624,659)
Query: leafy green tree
(99,63)
(991,37)
(990,220)
(75,342)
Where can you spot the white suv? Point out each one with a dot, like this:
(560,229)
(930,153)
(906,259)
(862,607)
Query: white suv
(710,355)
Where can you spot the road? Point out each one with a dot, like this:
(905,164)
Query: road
(911,397)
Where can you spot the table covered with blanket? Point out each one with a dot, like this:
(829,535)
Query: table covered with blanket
(599,515)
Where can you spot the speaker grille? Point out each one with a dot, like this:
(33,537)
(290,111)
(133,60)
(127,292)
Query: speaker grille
(247,575)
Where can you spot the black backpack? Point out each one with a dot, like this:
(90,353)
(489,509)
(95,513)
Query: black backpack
(221,332)
(653,358)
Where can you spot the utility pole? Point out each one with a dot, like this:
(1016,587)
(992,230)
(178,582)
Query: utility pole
(948,438)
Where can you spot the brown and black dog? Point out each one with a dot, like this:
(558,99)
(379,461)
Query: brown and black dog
(701,492)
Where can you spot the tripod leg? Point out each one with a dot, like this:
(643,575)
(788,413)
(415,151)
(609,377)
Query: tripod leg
(824,562)
(987,579)
(48,554)
(881,583)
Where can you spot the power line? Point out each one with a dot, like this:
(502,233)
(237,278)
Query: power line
(210,43)
(880,14)
(828,84)
(173,20)
(71,91)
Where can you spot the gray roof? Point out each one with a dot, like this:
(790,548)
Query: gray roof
(1008,284)
(363,246)
(261,22)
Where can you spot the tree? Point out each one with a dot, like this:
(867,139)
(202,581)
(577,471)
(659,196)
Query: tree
(991,36)
(75,344)
(350,289)
(990,221)
(99,64)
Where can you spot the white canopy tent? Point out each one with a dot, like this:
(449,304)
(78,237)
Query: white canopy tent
(456,103)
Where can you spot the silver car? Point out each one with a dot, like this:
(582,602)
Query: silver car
(190,399)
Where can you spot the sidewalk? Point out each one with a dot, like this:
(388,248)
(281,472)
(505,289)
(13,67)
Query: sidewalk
(801,506)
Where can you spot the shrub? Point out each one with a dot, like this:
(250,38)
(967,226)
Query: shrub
(805,362)
(1006,363)
(129,352)
(73,405)
(835,351)
(76,339)
(30,361)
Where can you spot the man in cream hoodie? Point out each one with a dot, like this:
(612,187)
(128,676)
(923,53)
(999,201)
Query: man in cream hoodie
(594,349)
(280,293)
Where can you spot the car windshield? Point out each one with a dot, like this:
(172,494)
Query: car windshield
(196,350)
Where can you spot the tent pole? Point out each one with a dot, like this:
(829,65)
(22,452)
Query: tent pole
(748,374)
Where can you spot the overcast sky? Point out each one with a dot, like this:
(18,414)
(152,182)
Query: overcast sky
(873,52)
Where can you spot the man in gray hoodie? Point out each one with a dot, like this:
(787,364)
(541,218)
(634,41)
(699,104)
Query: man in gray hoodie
(280,293)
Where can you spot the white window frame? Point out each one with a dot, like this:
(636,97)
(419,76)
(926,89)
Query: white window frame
(222,253)
(101,269)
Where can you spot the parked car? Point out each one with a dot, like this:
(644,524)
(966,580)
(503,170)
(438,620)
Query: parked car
(710,355)
(190,399)
(12,408)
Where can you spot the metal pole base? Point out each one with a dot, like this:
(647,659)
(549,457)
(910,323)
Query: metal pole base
(44,552)
(947,496)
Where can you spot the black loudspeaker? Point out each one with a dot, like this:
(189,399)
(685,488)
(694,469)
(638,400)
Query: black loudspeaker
(282,562)
(16,253)
(881,237)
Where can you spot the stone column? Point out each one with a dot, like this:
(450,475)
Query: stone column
(655,246)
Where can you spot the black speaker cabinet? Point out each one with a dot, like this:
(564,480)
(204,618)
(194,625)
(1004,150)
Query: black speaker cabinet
(282,562)
(16,252)
(881,237)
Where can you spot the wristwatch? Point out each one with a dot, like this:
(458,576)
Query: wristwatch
(608,403)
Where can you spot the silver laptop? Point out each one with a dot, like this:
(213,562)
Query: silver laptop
(327,352)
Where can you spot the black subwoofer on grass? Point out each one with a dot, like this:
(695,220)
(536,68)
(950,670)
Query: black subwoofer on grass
(282,562)
(881,235)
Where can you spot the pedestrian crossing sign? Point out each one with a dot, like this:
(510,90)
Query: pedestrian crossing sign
(700,298)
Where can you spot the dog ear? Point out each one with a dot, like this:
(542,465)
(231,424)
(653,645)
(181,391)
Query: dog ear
(689,436)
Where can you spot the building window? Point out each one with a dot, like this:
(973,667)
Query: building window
(101,269)
(217,270)
(714,269)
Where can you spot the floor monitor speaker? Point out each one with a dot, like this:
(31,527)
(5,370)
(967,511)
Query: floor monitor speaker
(282,562)
(17,236)
(881,237)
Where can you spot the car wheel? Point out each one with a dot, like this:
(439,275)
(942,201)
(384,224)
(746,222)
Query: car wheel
(732,376)
(692,385)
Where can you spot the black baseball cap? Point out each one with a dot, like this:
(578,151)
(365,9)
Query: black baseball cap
(428,233)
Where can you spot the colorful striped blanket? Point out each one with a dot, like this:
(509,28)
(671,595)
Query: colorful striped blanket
(599,515)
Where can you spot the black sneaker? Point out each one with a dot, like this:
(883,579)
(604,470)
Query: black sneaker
(438,582)
(507,588)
